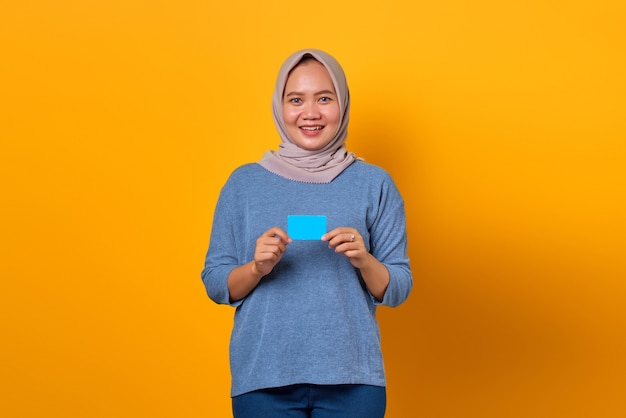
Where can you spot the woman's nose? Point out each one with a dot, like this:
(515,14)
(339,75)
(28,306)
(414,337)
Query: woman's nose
(311,111)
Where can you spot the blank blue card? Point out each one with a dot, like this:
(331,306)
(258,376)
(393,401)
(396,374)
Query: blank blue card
(310,227)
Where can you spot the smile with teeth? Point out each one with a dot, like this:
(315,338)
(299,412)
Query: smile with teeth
(311,128)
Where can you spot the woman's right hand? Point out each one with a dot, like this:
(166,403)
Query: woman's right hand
(270,247)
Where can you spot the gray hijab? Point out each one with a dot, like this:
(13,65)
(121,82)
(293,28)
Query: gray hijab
(293,162)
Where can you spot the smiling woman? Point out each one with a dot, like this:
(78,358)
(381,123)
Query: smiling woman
(310,108)
(319,76)
(294,339)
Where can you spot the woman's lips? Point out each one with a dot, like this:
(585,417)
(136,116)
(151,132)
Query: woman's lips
(311,130)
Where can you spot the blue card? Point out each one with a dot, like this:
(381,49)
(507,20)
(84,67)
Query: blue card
(306,227)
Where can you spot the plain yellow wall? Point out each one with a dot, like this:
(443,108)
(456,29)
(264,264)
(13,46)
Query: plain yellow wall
(502,123)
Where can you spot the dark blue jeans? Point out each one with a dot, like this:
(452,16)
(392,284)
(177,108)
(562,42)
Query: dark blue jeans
(312,401)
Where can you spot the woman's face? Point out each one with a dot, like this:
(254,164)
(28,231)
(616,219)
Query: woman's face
(310,106)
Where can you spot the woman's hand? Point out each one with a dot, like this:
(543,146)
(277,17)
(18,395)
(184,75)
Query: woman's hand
(270,247)
(349,242)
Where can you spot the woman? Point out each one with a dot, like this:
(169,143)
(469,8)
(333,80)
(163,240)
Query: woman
(305,341)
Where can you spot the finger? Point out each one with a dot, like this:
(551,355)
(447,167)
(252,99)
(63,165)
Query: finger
(272,244)
(277,232)
(341,236)
(270,254)
(334,234)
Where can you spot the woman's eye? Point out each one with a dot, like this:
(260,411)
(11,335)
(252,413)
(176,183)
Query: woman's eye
(324,99)
(296,100)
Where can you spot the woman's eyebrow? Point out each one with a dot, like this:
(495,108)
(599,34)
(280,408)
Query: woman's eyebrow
(325,92)
(318,93)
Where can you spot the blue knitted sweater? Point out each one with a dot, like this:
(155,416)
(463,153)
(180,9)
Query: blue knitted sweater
(311,320)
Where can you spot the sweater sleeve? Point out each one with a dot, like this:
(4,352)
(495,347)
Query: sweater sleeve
(388,239)
(222,255)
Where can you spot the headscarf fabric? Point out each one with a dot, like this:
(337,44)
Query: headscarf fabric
(294,163)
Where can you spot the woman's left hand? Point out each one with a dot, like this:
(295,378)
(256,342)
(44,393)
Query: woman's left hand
(348,242)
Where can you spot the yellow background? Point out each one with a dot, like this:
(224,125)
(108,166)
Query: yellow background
(502,123)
